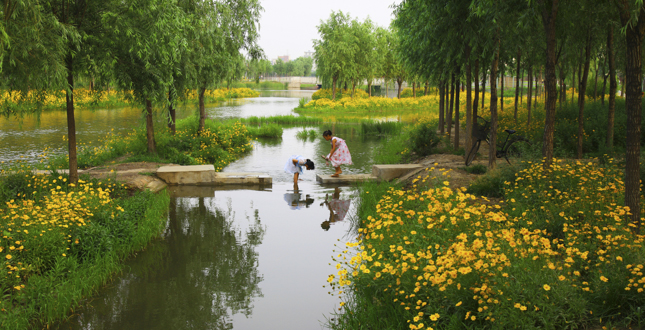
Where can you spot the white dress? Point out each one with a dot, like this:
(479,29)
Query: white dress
(290,168)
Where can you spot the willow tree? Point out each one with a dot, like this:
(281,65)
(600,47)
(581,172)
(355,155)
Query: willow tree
(33,48)
(334,51)
(144,39)
(226,28)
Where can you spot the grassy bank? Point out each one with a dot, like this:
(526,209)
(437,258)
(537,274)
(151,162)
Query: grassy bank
(219,144)
(61,242)
(557,254)
(14,102)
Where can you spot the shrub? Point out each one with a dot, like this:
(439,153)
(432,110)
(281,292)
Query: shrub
(424,139)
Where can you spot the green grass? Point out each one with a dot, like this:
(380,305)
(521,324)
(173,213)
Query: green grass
(57,270)
(493,183)
(265,85)
(266,131)
(372,127)
(307,134)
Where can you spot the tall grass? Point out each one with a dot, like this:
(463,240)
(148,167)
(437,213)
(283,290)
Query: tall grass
(307,134)
(372,127)
(266,131)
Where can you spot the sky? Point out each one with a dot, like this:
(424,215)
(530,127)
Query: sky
(287,27)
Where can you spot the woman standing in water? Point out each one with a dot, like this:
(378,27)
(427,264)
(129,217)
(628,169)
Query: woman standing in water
(339,153)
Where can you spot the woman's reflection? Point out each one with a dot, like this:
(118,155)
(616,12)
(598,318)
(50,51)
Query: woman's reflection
(294,199)
(337,208)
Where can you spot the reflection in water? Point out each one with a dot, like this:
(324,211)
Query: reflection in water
(337,208)
(199,276)
(296,199)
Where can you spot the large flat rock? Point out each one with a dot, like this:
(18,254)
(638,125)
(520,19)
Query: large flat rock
(192,174)
(242,178)
(344,178)
(393,171)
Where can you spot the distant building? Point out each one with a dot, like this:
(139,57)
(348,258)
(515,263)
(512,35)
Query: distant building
(284,58)
(309,54)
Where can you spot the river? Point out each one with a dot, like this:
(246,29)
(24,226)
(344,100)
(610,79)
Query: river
(229,258)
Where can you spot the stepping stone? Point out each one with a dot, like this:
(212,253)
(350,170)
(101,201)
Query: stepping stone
(193,174)
(243,178)
(344,178)
(393,171)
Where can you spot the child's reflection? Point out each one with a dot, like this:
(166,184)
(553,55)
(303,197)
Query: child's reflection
(294,199)
(337,208)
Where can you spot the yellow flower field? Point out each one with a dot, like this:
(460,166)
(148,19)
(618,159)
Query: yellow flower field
(557,249)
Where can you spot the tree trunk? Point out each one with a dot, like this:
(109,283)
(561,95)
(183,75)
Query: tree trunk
(150,132)
(369,88)
(451,104)
(549,16)
(492,151)
(456,121)
(414,90)
(529,93)
(536,91)
(398,93)
(425,89)
(595,82)
(442,106)
(483,87)
(612,88)
(476,98)
(171,113)
(517,83)
(633,105)
(353,89)
(333,87)
(501,97)
(202,111)
(582,90)
(573,82)
(71,123)
(469,114)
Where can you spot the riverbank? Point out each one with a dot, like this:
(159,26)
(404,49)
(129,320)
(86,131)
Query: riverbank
(62,241)
(552,248)
(17,103)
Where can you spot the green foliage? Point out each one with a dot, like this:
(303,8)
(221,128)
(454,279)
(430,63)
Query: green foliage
(476,169)
(266,131)
(424,139)
(281,120)
(371,127)
(407,92)
(493,183)
(310,134)
(219,144)
(71,240)
(393,150)
(326,93)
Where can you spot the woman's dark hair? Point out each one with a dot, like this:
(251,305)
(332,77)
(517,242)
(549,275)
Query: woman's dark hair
(310,164)
(327,133)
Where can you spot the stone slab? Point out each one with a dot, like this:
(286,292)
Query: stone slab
(242,178)
(191,191)
(393,171)
(192,174)
(345,178)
